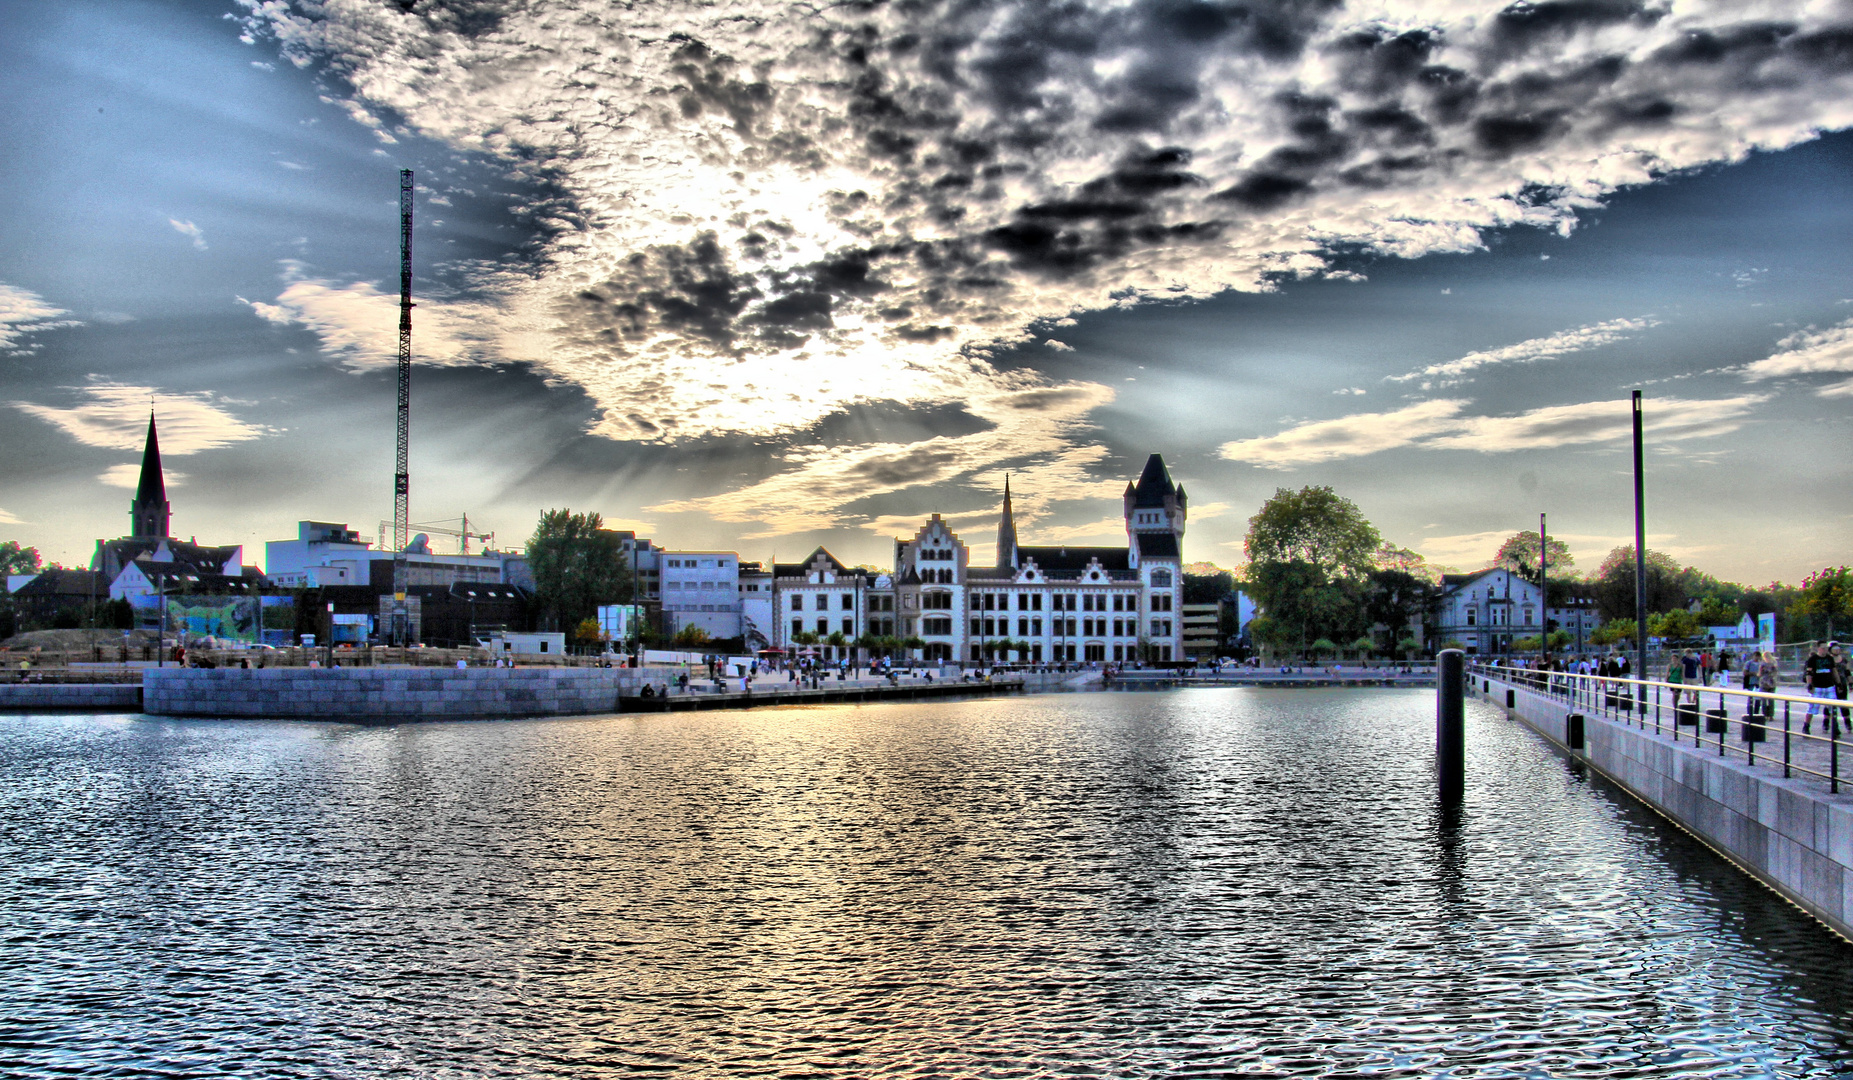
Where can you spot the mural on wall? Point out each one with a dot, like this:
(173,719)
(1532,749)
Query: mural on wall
(244,619)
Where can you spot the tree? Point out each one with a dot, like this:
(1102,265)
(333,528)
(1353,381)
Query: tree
(577,565)
(1309,553)
(1519,554)
(689,637)
(1715,612)
(1316,526)
(1398,598)
(1676,625)
(18,560)
(1826,594)
(1613,587)
(1391,557)
(587,633)
(1207,588)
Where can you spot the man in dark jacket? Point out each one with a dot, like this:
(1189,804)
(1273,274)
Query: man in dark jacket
(1818,676)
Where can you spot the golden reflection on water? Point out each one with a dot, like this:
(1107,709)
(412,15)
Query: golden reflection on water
(1128,884)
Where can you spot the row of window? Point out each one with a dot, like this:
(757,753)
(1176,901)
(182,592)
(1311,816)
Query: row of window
(696,564)
(823,627)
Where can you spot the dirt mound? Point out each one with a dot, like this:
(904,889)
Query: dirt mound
(66,640)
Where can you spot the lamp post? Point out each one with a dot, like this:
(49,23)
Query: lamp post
(1544,591)
(1640,550)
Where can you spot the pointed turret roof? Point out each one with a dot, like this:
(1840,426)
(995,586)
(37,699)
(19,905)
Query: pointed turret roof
(1154,483)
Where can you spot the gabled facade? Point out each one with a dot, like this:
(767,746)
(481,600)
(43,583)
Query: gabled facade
(1488,610)
(1049,603)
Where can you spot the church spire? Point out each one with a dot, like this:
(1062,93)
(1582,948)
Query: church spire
(148,514)
(1007,533)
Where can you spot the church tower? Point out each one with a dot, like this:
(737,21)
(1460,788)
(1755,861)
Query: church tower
(1007,533)
(148,514)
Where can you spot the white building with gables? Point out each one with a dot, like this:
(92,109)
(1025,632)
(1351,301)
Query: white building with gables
(1037,604)
(1486,611)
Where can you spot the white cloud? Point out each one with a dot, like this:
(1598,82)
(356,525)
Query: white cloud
(1810,352)
(7,518)
(128,475)
(1108,528)
(1059,346)
(188,229)
(1438,425)
(1348,436)
(24,312)
(359,324)
(1611,421)
(115,417)
(713,156)
(1551,347)
(1037,423)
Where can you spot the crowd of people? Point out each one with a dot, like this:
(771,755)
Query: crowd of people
(1824,675)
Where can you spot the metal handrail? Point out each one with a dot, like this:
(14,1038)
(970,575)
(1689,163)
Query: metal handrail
(1602,695)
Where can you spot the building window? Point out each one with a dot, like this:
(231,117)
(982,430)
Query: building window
(797,601)
(1471,620)
(849,627)
(849,601)
(1161,578)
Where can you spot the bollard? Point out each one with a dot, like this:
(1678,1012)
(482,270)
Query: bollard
(1573,731)
(1450,724)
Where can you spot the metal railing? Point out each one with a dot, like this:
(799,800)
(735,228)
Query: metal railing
(1669,707)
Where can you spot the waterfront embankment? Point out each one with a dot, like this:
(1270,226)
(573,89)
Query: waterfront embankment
(393,694)
(1792,834)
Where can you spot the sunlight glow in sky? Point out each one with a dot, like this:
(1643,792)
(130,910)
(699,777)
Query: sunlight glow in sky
(759,277)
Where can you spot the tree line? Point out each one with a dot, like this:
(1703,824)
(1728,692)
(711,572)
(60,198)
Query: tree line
(1323,579)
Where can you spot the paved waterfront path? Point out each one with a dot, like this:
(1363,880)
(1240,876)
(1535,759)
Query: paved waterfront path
(1815,755)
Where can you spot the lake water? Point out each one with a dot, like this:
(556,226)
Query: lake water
(1139,884)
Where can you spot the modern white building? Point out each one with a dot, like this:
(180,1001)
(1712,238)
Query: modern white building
(701,588)
(330,553)
(1037,604)
(756,605)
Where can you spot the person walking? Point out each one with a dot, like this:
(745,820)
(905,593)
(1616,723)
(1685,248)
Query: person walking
(1839,653)
(1818,676)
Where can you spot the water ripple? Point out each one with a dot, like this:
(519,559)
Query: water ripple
(1213,882)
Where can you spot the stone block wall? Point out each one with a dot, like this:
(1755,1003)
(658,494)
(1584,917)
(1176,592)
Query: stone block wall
(1790,834)
(389,693)
(97,697)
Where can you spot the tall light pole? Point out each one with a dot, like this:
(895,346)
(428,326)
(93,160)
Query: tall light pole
(1640,549)
(1544,590)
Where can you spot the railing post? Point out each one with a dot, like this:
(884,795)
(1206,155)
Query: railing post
(1785,740)
(1450,725)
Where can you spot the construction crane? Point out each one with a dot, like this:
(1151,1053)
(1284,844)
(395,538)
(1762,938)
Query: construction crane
(402,479)
(462,534)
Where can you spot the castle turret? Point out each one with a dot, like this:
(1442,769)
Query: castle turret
(148,514)
(1156,510)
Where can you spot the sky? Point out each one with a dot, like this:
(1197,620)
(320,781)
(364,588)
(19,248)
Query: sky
(759,276)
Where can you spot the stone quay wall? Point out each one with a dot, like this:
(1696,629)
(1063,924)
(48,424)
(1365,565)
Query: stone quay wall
(85,697)
(386,693)
(1792,835)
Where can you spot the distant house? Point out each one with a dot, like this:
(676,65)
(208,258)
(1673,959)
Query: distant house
(1486,611)
(55,597)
